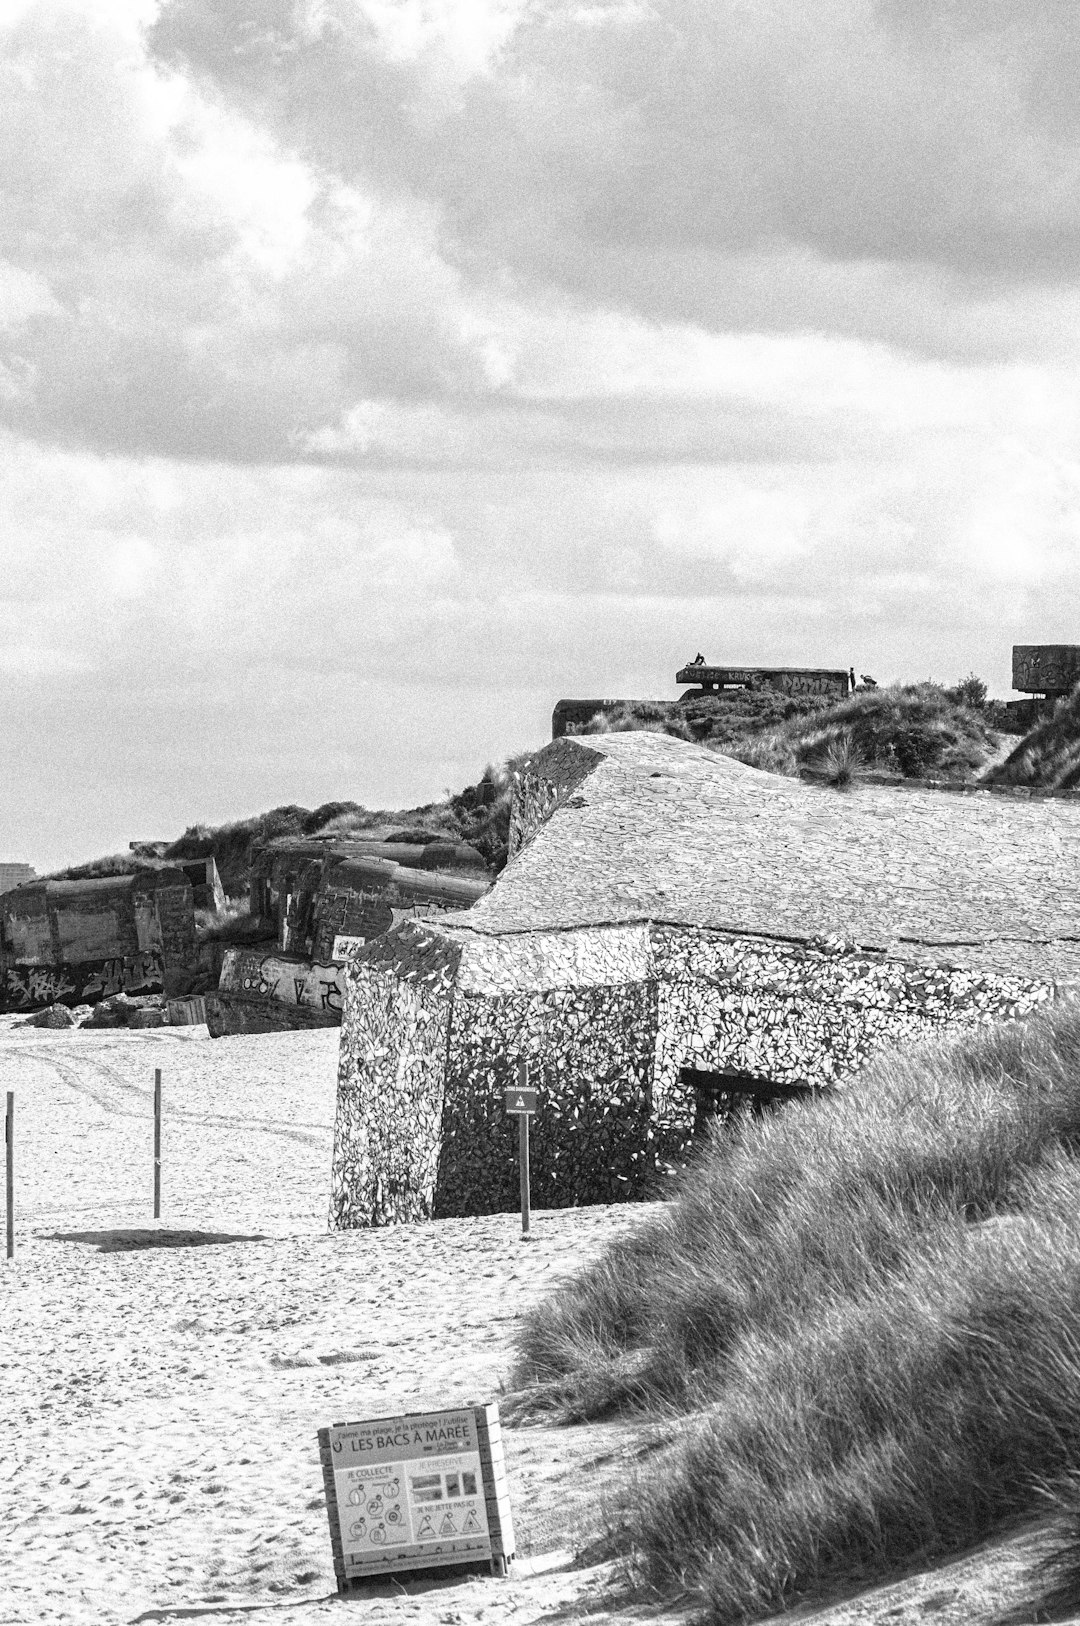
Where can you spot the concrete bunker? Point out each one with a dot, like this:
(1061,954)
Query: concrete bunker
(76,942)
(318,902)
(669,914)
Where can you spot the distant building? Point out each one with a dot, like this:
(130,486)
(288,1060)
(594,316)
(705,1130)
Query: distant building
(1046,673)
(13,875)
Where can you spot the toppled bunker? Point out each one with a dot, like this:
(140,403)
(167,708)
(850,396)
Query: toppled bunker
(77,942)
(321,901)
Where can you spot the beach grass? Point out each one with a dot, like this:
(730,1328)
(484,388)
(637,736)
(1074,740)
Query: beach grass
(856,1325)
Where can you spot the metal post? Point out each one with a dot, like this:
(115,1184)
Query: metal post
(523,1149)
(523,1152)
(9,1149)
(157,1142)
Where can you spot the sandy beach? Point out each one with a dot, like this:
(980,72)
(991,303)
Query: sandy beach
(162,1384)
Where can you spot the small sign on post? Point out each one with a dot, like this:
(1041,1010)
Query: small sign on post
(521,1103)
(426,1491)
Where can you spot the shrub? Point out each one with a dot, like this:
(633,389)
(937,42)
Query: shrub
(842,758)
(970,692)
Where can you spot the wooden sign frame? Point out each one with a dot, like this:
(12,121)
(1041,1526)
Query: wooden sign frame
(421,1492)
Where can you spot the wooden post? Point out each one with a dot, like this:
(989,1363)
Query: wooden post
(157,1142)
(523,1149)
(9,1149)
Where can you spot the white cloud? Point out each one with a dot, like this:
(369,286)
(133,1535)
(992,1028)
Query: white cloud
(552,341)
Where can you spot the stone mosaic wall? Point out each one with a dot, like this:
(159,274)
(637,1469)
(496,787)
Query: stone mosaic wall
(390,1079)
(606,1017)
(537,795)
(590,1053)
(801,1015)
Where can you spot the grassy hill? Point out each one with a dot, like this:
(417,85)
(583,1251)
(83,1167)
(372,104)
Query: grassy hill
(856,1327)
(479,815)
(916,731)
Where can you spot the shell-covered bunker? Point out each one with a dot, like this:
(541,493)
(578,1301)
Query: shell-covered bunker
(676,933)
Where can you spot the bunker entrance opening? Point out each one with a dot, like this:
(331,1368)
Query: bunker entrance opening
(722,1097)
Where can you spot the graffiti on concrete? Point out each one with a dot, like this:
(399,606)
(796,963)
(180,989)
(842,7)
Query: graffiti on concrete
(131,974)
(29,987)
(793,680)
(1045,668)
(254,974)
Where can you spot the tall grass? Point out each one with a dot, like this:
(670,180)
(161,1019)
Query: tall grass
(783,1207)
(917,730)
(865,1309)
(1049,756)
(904,1420)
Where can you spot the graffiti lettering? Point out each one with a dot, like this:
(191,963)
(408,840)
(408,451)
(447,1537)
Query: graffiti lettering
(271,976)
(27,986)
(130,974)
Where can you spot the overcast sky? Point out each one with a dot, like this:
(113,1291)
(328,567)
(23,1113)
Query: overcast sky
(375,372)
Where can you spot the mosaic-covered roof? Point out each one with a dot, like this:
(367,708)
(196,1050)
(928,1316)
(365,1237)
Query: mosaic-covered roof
(639,826)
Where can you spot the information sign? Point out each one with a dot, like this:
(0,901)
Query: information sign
(418,1492)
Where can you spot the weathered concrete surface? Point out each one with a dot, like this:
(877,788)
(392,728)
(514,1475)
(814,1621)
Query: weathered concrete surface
(75,942)
(669,908)
(1051,669)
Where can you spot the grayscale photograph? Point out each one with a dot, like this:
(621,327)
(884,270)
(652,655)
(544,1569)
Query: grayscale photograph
(539,765)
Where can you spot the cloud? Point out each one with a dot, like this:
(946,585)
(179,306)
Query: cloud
(629,150)
(432,234)
(173,280)
(374,371)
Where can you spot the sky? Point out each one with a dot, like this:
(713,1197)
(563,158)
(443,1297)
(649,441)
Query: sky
(374,373)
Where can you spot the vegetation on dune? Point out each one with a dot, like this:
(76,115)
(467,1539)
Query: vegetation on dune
(1049,756)
(859,1318)
(916,730)
(98,868)
(478,815)
(708,719)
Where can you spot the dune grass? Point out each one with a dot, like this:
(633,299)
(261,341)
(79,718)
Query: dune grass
(1049,756)
(915,730)
(478,815)
(859,1319)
